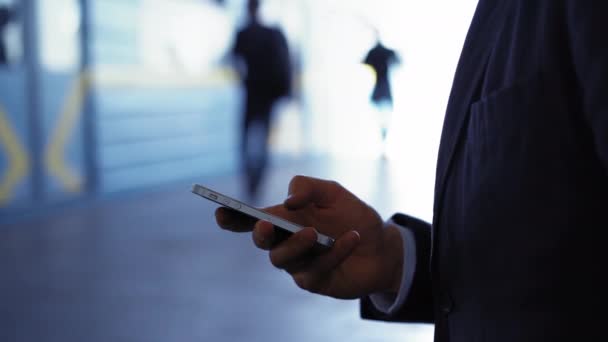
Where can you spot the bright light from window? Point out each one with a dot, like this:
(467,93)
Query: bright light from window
(428,36)
(59,40)
(183,36)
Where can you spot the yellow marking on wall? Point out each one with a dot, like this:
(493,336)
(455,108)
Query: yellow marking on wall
(18,162)
(68,118)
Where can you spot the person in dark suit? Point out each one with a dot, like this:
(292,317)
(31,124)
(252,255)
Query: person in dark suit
(516,251)
(381,59)
(265,72)
(6,15)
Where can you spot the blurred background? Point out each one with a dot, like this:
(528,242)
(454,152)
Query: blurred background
(110,109)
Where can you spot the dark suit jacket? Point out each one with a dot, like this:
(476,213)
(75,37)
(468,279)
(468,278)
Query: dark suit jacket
(6,15)
(380,58)
(266,55)
(521,200)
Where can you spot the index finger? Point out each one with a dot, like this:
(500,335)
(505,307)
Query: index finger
(230,219)
(305,190)
(237,221)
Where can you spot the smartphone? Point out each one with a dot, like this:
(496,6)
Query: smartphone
(283,227)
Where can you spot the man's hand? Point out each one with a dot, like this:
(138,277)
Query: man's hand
(366,258)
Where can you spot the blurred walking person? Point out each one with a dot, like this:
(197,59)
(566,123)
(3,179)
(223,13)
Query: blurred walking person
(264,67)
(6,15)
(381,59)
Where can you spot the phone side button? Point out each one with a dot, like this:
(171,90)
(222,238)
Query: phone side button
(235,205)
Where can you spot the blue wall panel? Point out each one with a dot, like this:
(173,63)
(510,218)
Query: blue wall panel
(150,152)
(124,101)
(146,153)
(167,171)
(114,27)
(150,132)
(138,128)
(150,136)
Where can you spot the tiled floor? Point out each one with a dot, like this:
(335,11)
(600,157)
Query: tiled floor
(152,266)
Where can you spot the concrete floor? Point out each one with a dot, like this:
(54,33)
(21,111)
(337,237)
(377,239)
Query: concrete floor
(152,266)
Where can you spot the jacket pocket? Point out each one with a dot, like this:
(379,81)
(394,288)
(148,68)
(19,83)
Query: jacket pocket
(506,128)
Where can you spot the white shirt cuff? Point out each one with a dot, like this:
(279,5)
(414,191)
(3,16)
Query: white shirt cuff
(389,303)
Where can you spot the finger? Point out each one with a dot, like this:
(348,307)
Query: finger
(263,235)
(305,190)
(234,221)
(342,249)
(294,250)
(314,275)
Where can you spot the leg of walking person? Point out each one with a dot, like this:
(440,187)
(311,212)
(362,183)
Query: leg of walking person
(260,143)
(247,127)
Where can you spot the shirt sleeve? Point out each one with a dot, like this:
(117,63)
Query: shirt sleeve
(390,303)
(414,302)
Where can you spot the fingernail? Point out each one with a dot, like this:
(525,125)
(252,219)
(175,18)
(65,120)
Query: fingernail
(357,236)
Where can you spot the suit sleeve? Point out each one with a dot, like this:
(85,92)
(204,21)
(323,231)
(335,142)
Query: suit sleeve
(418,307)
(237,46)
(283,59)
(368,60)
(5,16)
(587,27)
